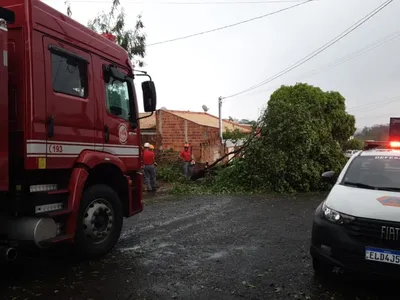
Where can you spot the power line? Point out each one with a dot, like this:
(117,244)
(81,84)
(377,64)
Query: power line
(345,58)
(191,3)
(375,116)
(355,54)
(230,25)
(374,105)
(318,51)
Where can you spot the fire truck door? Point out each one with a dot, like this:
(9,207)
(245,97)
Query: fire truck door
(120,138)
(70,102)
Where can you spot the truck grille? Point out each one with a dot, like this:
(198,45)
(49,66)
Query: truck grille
(369,232)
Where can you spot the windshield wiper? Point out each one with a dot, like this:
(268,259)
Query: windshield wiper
(360,185)
(367,186)
(388,188)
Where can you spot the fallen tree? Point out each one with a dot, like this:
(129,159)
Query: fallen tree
(202,172)
(303,131)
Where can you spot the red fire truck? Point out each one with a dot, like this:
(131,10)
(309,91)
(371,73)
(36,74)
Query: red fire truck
(70,137)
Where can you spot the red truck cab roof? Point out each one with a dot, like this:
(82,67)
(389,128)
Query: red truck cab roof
(36,15)
(39,42)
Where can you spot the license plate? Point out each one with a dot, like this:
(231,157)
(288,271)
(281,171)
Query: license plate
(382,255)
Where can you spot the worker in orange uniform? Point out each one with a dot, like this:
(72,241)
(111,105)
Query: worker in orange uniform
(145,147)
(149,168)
(152,150)
(186,156)
(155,164)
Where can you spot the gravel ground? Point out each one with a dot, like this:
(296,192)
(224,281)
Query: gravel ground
(198,248)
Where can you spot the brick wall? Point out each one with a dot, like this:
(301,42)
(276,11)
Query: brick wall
(170,131)
(173,132)
(210,151)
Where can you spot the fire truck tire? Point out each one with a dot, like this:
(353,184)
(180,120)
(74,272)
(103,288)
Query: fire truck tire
(100,219)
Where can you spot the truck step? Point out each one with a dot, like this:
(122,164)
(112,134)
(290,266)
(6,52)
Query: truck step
(54,209)
(57,239)
(63,191)
(60,212)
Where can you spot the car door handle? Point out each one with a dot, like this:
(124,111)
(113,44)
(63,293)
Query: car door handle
(106,133)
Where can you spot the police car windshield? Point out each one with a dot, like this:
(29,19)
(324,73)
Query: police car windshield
(374,172)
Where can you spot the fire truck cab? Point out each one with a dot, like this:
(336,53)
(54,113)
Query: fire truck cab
(70,150)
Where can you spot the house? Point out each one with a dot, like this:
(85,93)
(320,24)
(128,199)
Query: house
(199,129)
(234,121)
(148,128)
(231,146)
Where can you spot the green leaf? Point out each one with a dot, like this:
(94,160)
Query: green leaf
(113,22)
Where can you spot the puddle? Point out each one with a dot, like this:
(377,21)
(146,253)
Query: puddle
(218,255)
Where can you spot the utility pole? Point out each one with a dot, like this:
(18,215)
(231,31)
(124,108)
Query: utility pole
(220,116)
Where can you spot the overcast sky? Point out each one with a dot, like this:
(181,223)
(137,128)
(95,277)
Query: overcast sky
(196,71)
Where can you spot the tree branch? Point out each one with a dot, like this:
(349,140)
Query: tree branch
(201,173)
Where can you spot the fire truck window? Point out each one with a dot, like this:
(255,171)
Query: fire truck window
(69,75)
(117,98)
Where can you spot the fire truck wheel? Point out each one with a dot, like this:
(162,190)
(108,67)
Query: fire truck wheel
(99,220)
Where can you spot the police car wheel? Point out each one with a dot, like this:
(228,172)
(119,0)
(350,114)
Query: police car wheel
(99,221)
(321,268)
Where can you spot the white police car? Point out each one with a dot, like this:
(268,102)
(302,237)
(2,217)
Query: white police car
(357,227)
(349,153)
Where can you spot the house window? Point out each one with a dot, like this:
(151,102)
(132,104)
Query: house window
(117,98)
(69,75)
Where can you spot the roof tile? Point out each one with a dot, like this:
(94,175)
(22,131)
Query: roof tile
(205,119)
(147,123)
(201,118)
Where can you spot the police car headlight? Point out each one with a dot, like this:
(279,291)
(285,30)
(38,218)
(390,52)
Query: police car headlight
(334,216)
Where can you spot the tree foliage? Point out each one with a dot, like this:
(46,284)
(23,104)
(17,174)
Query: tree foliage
(353,144)
(114,22)
(303,131)
(234,135)
(67,3)
(247,122)
(377,133)
(242,121)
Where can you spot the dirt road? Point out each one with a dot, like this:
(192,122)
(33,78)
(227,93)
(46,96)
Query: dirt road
(197,248)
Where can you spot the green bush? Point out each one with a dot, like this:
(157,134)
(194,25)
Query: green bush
(353,144)
(171,172)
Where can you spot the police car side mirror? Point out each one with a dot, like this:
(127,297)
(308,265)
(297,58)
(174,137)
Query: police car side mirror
(329,177)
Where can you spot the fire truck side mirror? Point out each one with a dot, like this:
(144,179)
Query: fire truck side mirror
(149,96)
(7,15)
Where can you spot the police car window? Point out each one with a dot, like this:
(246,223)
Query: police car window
(374,171)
